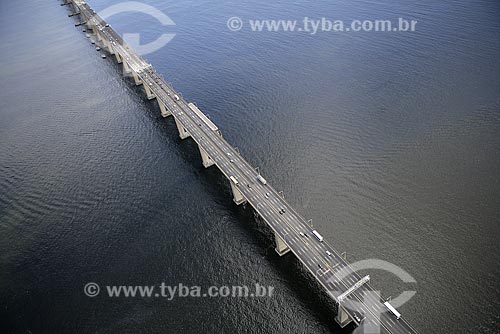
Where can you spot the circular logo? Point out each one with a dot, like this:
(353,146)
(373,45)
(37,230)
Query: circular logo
(91,289)
(133,39)
(234,23)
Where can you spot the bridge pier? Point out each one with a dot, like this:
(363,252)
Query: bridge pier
(107,45)
(126,68)
(182,130)
(163,108)
(74,7)
(98,35)
(281,246)
(237,195)
(137,81)
(118,58)
(149,93)
(342,317)
(207,161)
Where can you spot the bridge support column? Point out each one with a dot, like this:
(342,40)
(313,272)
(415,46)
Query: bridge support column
(149,93)
(163,108)
(118,58)
(108,46)
(207,161)
(237,195)
(281,247)
(342,317)
(126,67)
(136,78)
(182,130)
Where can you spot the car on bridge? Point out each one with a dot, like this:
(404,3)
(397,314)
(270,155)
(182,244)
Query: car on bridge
(358,317)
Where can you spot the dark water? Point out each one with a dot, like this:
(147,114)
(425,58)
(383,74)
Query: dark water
(389,142)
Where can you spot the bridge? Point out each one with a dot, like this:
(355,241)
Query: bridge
(355,299)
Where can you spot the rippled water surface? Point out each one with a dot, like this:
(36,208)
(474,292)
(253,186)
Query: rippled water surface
(388,141)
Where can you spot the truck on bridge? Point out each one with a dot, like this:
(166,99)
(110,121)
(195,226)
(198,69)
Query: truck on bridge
(261,179)
(393,310)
